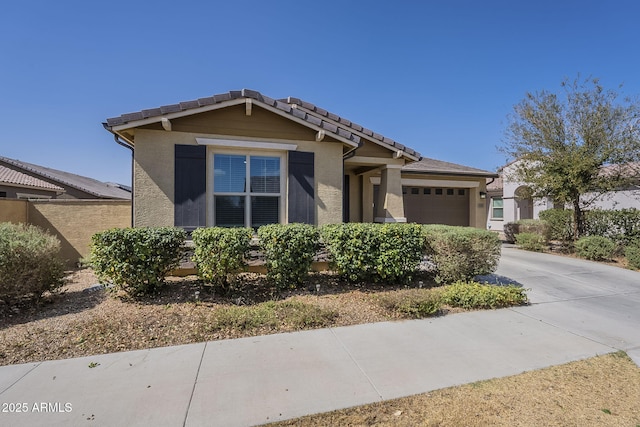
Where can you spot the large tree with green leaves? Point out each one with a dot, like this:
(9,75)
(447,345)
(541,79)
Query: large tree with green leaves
(575,146)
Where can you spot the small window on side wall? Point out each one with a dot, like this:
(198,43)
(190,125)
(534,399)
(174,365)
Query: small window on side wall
(3,194)
(497,208)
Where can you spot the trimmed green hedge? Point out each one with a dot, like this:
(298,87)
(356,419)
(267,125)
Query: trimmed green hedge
(472,295)
(531,242)
(560,224)
(622,226)
(363,252)
(632,253)
(596,248)
(536,226)
(289,250)
(137,260)
(461,253)
(220,253)
(29,262)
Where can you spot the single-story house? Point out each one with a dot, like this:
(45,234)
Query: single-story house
(509,199)
(243,158)
(22,180)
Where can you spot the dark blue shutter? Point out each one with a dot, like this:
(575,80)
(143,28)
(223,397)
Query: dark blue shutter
(190,186)
(301,198)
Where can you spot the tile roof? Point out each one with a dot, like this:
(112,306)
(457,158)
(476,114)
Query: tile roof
(14,177)
(432,166)
(88,185)
(295,107)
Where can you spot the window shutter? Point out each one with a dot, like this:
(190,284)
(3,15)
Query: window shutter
(301,198)
(190,186)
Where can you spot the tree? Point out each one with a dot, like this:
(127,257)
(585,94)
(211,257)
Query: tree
(576,147)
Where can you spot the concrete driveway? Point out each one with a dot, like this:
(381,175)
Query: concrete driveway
(589,299)
(579,309)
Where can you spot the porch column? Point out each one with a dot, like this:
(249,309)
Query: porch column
(390,206)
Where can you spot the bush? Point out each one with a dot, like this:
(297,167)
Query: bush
(632,253)
(596,248)
(137,260)
(29,262)
(461,253)
(560,224)
(220,253)
(536,226)
(387,253)
(531,242)
(352,247)
(289,250)
(622,226)
(472,295)
(413,303)
(400,250)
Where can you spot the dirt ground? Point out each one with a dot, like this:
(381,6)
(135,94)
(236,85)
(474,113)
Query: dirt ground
(603,391)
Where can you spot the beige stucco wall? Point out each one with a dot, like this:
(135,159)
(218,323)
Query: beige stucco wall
(75,221)
(154,173)
(13,210)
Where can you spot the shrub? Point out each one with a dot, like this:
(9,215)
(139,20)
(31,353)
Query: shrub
(289,250)
(461,253)
(632,253)
(137,260)
(512,229)
(622,226)
(595,248)
(413,303)
(352,247)
(220,253)
(400,250)
(531,242)
(472,295)
(29,262)
(374,252)
(560,224)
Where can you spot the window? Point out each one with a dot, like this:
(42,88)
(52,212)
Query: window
(438,191)
(497,211)
(449,191)
(461,192)
(426,191)
(247,190)
(3,194)
(415,191)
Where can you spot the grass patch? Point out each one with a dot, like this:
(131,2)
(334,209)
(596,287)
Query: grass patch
(601,391)
(412,303)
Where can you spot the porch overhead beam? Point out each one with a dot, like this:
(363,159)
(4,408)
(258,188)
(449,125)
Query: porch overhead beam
(437,183)
(373,161)
(166,124)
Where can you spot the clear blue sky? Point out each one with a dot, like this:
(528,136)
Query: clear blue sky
(438,76)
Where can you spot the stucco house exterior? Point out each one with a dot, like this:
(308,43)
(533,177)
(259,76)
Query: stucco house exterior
(243,158)
(508,198)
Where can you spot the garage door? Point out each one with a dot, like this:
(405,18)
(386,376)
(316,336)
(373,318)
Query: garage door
(425,205)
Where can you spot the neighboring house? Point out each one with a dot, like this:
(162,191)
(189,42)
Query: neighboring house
(242,158)
(22,180)
(509,199)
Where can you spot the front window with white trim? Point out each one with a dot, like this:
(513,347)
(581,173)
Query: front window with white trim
(247,189)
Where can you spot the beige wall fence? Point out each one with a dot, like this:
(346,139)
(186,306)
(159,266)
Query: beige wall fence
(71,221)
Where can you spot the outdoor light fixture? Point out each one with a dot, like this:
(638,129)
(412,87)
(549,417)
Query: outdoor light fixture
(483,195)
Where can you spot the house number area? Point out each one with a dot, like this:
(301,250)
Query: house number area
(43,407)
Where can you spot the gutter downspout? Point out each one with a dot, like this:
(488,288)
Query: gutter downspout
(125,144)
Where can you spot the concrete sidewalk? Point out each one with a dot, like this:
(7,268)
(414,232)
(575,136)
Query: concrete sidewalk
(258,380)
